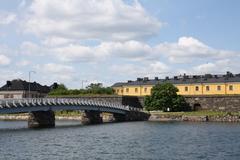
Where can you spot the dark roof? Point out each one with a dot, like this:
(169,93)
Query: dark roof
(184,79)
(20,85)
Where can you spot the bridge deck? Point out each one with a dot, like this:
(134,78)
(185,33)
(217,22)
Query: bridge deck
(55,104)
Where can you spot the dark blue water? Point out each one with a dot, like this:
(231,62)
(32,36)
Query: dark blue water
(135,140)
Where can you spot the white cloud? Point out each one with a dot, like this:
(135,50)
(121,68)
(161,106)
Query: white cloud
(189,48)
(127,49)
(141,70)
(75,53)
(7,18)
(57,68)
(23,63)
(56,72)
(30,48)
(80,19)
(4,60)
(55,41)
(220,66)
(6,74)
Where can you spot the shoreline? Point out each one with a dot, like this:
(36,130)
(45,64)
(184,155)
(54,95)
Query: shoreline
(181,117)
(25,118)
(154,117)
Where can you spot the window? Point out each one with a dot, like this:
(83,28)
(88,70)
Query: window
(117,90)
(121,90)
(230,88)
(127,90)
(207,88)
(145,90)
(196,88)
(186,89)
(136,90)
(8,95)
(219,88)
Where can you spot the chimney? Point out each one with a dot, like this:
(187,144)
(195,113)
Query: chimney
(156,78)
(145,78)
(54,86)
(9,83)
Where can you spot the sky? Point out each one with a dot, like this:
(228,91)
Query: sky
(109,41)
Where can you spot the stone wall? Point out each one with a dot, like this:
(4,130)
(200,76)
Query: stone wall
(214,103)
(205,118)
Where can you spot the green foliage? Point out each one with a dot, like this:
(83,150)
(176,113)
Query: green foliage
(92,89)
(164,96)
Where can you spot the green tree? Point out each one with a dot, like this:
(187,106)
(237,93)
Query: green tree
(60,90)
(163,97)
(97,88)
(92,89)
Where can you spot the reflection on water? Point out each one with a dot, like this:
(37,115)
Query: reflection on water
(135,140)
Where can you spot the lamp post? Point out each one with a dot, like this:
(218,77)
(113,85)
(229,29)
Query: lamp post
(83,81)
(29,82)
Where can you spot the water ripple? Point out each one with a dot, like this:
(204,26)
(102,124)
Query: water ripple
(131,141)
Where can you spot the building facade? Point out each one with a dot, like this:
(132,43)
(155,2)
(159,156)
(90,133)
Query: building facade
(18,89)
(228,84)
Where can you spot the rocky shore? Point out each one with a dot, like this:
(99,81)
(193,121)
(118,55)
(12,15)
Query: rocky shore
(205,118)
(106,118)
(25,117)
(153,117)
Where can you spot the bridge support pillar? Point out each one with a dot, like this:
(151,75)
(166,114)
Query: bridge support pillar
(119,117)
(41,119)
(91,117)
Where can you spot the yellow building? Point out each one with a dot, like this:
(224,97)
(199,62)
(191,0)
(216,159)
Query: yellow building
(228,84)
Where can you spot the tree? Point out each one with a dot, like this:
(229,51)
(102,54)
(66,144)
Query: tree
(97,88)
(163,97)
(93,86)
(92,89)
(60,90)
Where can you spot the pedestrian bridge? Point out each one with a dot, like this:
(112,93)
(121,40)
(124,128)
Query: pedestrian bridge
(42,109)
(55,104)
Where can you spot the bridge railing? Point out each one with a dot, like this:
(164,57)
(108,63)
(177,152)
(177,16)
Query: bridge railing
(31,102)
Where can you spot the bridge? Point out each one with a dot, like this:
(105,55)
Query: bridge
(41,110)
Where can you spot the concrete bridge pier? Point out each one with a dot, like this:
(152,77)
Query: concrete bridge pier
(119,117)
(41,119)
(91,117)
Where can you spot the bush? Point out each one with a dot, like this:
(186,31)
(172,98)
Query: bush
(163,97)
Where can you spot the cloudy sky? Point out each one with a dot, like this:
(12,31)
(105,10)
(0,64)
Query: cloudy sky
(108,41)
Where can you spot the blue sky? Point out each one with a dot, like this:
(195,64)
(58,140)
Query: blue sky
(110,41)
